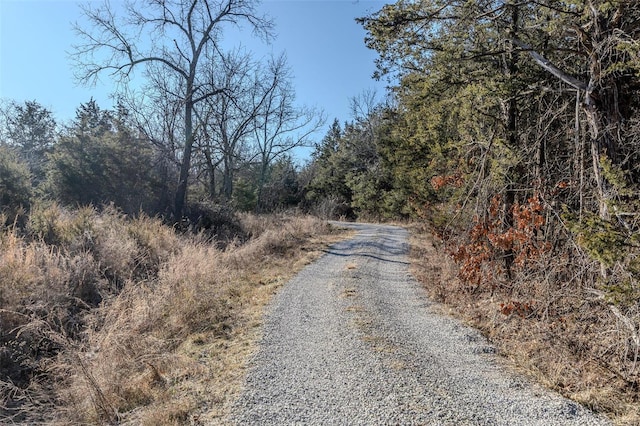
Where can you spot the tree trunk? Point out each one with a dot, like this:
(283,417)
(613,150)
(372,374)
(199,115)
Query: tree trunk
(211,170)
(227,178)
(602,109)
(603,126)
(185,166)
(511,71)
(264,168)
(595,133)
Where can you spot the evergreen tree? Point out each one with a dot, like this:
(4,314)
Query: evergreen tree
(31,131)
(15,185)
(329,171)
(101,160)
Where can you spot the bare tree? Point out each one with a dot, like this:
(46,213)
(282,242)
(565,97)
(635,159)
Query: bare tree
(176,35)
(281,126)
(230,124)
(158,116)
(366,112)
(226,122)
(363,104)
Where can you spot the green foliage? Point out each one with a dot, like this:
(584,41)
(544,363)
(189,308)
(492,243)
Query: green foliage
(276,189)
(102,161)
(374,195)
(617,249)
(15,184)
(600,238)
(329,169)
(281,188)
(244,195)
(437,148)
(31,131)
(624,293)
(352,174)
(615,176)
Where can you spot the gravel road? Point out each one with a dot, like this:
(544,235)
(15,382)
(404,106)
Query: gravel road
(352,340)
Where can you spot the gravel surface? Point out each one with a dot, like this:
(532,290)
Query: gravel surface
(352,340)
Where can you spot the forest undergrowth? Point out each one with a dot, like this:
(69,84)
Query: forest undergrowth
(108,319)
(547,319)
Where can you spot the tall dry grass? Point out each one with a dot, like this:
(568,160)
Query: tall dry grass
(107,319)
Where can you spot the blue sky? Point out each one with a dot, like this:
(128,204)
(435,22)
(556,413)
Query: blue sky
(323,44)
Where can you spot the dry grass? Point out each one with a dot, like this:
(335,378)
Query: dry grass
(113,320)
(565,343)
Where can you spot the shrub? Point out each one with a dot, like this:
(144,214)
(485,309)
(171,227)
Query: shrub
(15,185)
(217,222)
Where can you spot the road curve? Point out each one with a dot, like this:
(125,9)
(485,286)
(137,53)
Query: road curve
(352,340)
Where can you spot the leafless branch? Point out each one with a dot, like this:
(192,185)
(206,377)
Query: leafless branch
(548,66)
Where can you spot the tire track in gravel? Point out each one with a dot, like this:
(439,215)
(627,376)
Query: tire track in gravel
(351,340)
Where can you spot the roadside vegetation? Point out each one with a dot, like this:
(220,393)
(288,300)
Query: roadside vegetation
(108,319)
(133,257)
(563,345)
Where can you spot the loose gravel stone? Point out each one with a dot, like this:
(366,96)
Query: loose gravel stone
(352,340)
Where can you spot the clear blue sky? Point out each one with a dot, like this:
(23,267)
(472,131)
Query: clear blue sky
(323,43)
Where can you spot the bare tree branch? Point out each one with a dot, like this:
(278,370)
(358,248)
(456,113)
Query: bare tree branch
(178,36)
(550,67)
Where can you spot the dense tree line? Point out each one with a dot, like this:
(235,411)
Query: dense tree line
(202,125)
(519,104)
(209,98)
(103,157)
